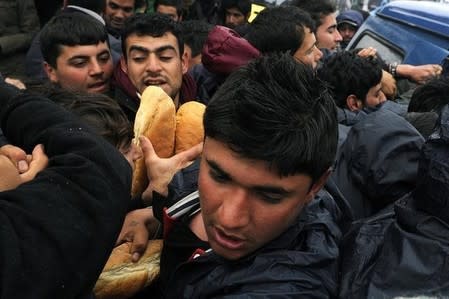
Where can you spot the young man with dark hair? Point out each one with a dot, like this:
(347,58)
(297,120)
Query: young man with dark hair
(323,12)
(432,96)
(172,8)
(355,81)
(76,53)
(153,54)
(116,13)
(294,32)
(235,12)
(271,137)
(195,35)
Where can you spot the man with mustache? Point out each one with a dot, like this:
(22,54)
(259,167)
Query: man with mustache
(153,54)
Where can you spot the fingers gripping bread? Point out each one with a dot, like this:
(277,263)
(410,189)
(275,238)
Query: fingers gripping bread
(189,125)
(121,278)
(155,119)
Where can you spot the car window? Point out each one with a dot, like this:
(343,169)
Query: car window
(386,50)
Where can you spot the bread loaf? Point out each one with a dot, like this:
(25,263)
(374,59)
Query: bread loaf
(189,125)
(155,119)
(121,278)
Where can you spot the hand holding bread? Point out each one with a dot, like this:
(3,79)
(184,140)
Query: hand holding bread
(169,132)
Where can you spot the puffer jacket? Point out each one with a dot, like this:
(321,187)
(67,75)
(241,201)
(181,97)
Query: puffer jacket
(301,263)
(403,250)
(377,163)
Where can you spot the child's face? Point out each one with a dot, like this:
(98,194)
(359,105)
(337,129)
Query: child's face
(9,174)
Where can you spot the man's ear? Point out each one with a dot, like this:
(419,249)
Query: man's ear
(353,103)
(316,187)
(51,72)
(123,64)
(184,62)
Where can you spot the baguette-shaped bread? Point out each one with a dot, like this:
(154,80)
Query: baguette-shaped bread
(189,125)
(121,278)
(155,119)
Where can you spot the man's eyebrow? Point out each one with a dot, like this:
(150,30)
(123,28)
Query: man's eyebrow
(262,189)
(78,57)
(148,51)
(217,168)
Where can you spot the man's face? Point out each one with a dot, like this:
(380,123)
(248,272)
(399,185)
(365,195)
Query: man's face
(234,18)
(169,11)
(9,174)
(346,31)
(155,61)
(117,11)
(375,96)
(86,68)
(308,53)
(244,204)
(327,34)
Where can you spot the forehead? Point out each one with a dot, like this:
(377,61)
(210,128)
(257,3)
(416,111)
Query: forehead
(67,52)
(234,11)
(122,3)
(328,21)
(152,43)
(166,9)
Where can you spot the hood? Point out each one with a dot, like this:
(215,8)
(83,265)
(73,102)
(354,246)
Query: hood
(225,50)
(378,162)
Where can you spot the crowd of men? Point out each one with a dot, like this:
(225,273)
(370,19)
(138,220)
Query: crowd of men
(312,181)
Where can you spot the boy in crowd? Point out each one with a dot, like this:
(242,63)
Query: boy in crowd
(294,32)
(255,209)
(172,8)
(355,81)
(76,53)
(153,54)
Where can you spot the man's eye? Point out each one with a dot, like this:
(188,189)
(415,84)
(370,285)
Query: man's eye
(79,63)
(218,177)
(269,198)
(165,57)
(138,59)
(113,6)
(104,58)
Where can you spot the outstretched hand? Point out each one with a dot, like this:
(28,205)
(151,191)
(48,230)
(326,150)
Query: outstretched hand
(138,226)
(160,171)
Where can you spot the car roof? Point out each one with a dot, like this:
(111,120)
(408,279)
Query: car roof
(426,15)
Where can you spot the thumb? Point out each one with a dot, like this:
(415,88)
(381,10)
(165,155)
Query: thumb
(190,154)
(147,147)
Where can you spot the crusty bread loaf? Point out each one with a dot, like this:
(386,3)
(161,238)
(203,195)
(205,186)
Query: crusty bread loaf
(121,278)
(155,119)
(189,125)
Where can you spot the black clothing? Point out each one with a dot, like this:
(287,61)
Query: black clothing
(58,230)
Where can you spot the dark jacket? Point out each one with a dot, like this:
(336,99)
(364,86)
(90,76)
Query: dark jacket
(58,230)
(378,162)
(300,263)
(403,251)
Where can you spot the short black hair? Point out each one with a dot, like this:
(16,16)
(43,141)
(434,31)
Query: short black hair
(155,25)
(347,73)
(288,33)
(432,96)
(178,4)
(274,109)
(70,29)
(244,6)
(195,34)
(317,9)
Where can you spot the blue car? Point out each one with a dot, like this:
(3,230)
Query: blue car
(411,32)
